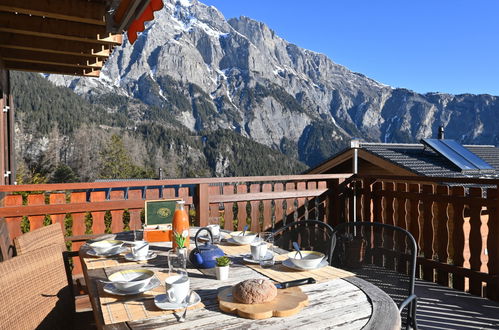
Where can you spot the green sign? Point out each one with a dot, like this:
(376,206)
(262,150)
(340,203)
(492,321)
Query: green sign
(160,212)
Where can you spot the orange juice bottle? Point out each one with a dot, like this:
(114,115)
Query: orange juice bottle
(180,222)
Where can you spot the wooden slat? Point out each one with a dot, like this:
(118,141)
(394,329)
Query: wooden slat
(13,223)
(267,208)
(241,206)
(202,204)
(62,59)
(324,203)
(427,241)
(228,209)
(312,202)
(255,212)
(117,215)
(78,228)
(98,224)
(458,237)
(414,214)
(290,203)
(492,246)
(36,221)
(377,206)
(51,28)
(58,199)
(135,217)
(76,11)
(50,68)
(475,241)
(442,217)
(214,190)
(55,46)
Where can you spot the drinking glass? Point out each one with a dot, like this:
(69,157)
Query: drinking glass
(267,261)
(138,234)
(214,226)
(177,262)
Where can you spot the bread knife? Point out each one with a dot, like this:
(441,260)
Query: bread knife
(303,281)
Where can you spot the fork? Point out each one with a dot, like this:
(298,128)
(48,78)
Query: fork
(188,301)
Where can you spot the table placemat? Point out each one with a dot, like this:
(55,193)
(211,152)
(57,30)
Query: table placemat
(116,309)
(281,273)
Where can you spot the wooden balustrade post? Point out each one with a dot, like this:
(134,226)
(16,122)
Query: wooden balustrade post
(333,203)
(428,239)
(202,204)
(458,236)
(492,245)
(442,217)
(475,240)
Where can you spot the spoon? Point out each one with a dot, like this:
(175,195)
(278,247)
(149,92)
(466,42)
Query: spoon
(297,248)
(188,300)
(244,229)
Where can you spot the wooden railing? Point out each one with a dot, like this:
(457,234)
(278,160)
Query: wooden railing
(454,221)
(97,208)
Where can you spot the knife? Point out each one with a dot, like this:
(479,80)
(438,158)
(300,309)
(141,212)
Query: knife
(284,285)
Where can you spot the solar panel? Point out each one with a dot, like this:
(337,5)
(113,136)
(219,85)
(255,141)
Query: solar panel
(458,155)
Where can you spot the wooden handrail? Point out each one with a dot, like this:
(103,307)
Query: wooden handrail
(423,179)
(169,182)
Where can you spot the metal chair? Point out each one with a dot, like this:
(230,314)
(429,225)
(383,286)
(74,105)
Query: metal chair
(310,234)
(383,255)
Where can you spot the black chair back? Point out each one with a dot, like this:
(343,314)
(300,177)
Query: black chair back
(385,256)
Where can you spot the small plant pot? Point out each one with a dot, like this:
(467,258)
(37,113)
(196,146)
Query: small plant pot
(222,272)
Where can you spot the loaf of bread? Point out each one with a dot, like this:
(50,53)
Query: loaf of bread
(255,291)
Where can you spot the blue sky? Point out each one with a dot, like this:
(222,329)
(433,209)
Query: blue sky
(447,46)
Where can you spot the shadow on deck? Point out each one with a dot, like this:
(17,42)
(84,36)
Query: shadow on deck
(444,308)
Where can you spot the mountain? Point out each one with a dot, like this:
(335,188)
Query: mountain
(195,71)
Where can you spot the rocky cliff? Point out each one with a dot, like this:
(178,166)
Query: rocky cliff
(210,73)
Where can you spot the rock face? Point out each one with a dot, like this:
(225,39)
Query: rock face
(237,74)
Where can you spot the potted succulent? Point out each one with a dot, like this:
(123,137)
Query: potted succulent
(222,268)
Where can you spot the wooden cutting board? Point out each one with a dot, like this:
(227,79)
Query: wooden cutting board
(287,302)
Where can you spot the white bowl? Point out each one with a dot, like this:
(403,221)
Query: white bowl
(106,246)
(131,279)
(308,259)
(248,237)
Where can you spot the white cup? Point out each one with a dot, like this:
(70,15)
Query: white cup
(140,249)
(177,288)
(258,250)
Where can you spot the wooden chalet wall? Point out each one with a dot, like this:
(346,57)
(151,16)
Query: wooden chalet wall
(7,170)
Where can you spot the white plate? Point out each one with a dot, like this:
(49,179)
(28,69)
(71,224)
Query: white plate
(93,253)
(109,288)
(232,241)
(161,301)
(249,258)
(204,238)
(291,265)
(150,255)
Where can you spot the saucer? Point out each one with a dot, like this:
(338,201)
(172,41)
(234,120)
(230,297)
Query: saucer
(110,288)
(93,253)
(161,301)
(150,255)
(249,258)
(291,265)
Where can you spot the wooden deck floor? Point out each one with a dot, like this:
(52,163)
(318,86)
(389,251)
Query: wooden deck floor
(443,308)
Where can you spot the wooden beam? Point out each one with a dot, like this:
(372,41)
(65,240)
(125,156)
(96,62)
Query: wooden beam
(70,10)
(30,56)
(47,62)
(48,68)
(50,45)
(112,39)
(50,26)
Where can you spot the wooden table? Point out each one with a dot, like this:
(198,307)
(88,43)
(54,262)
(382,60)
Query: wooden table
(348,303)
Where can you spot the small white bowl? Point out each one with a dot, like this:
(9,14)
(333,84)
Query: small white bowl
(106,246)
(311,259)
(248,237)
(131,279)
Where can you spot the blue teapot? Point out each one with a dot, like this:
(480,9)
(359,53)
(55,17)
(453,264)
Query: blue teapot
(203,256)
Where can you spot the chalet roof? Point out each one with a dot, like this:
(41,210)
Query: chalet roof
(72,37)
(414,158)
(424,161)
